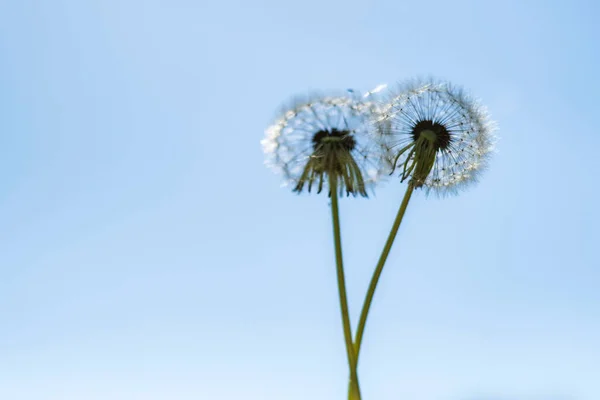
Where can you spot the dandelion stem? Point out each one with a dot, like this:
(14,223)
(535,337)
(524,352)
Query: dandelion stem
(378,270)
(354,392)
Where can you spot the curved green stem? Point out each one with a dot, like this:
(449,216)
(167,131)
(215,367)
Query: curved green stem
(379,269)
(354,393)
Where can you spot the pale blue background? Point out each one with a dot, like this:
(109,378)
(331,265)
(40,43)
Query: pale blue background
(146,253)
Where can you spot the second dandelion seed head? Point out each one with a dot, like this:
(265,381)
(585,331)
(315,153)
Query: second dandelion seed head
(436,135)
(318,137)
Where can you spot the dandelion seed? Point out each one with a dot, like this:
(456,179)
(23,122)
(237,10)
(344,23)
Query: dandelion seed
(377,89)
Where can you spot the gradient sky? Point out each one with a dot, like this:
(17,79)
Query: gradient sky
(147,253)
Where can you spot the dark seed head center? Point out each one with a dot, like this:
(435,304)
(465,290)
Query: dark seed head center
(433,131)
(341,137)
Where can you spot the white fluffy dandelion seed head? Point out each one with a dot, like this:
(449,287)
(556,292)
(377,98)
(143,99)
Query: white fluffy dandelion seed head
(288,143)
(466,152)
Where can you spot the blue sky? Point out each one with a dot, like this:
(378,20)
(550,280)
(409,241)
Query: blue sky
(147,253)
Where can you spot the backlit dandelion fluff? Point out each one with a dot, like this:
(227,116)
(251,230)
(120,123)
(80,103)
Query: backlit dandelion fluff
(317,136)
(436,135)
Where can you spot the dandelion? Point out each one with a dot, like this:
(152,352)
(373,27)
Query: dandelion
(316,138)
(329,142)
(438,138)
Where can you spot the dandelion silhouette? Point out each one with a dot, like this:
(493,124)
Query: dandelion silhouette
(329,141)
(439,138)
